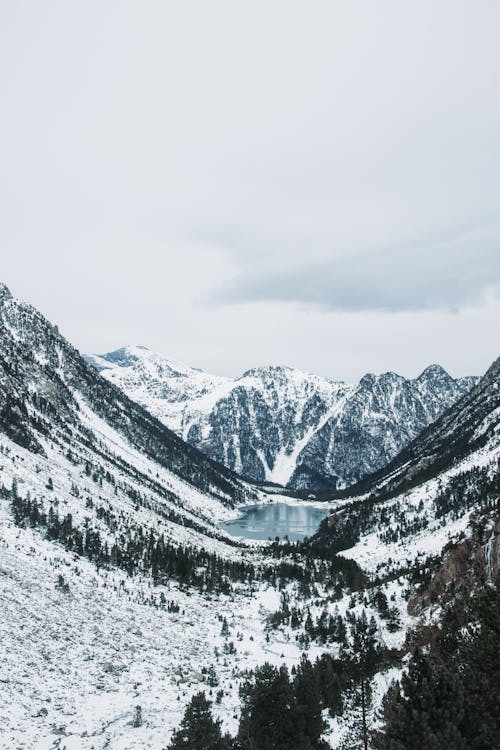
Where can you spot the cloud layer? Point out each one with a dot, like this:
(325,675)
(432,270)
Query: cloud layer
(216,179)
(443,275)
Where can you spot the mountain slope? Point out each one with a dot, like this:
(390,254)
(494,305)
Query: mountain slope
(283,425)
(466,427)
(427,527)
(120,597)
(431,491)
(110,552)
(51,399)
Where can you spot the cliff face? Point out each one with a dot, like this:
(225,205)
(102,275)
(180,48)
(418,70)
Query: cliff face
(467,566)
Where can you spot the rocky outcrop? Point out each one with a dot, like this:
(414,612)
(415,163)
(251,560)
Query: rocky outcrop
(457,565)
(464,567)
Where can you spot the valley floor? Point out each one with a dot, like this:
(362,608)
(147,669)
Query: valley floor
(79,658)
(81,652)
(83,648)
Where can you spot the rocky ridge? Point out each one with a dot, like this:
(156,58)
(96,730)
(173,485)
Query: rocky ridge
(282,425)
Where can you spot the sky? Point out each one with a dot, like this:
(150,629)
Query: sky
(235,184)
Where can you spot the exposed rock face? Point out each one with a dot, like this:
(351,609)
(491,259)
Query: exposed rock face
(463,428)
(383,414)
(459,562)
(466,564)
(282,425)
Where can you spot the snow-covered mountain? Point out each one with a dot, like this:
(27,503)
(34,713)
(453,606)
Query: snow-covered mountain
(121,598)
(282,425)
(53,402)
(470,426)
(434,491)
(384,413)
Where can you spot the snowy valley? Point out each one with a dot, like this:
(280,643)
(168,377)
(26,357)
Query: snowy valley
(121,595)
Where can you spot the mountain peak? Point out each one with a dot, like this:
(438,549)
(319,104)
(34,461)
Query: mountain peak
(261,370)
(127,355)
(143,358)
(493,371)
(4,292)
(371,379)
(433,371)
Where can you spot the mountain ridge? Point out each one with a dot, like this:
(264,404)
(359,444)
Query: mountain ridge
(44,380)
(461,429)
(279,424)
(130,599)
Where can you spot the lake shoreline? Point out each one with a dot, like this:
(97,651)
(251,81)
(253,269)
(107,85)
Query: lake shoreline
(279,518)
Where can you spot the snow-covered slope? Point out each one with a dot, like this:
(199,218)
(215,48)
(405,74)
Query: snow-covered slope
(51,400)
(429,492)
(99,479)
(427,527)
(281,424)
(114,576)
(96,496)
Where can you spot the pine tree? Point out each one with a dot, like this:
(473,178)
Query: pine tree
(451,697)
(481,675)
(364,655)
(308,696)
(270,718)
(198,729)
(427,710)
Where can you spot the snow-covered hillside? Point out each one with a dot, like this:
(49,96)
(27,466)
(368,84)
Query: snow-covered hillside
(85,646)
(115,576)
(120,596)
(49,393)
(282,425)
(431,492)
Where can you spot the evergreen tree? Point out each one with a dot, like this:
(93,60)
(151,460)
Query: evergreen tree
(270,718)
(480,655)
(198,729)
(331,686)
(308,696)
(364,654)
(451,697)
(426,711)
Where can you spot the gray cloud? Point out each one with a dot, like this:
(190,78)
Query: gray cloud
(158,155)
(443,275)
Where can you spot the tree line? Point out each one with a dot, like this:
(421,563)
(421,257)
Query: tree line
(133,549)
(450,695)
(284,711)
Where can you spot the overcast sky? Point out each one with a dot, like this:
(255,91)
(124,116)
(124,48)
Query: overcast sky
(243,183)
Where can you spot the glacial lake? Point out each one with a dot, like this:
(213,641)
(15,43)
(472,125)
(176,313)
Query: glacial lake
(277,519)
